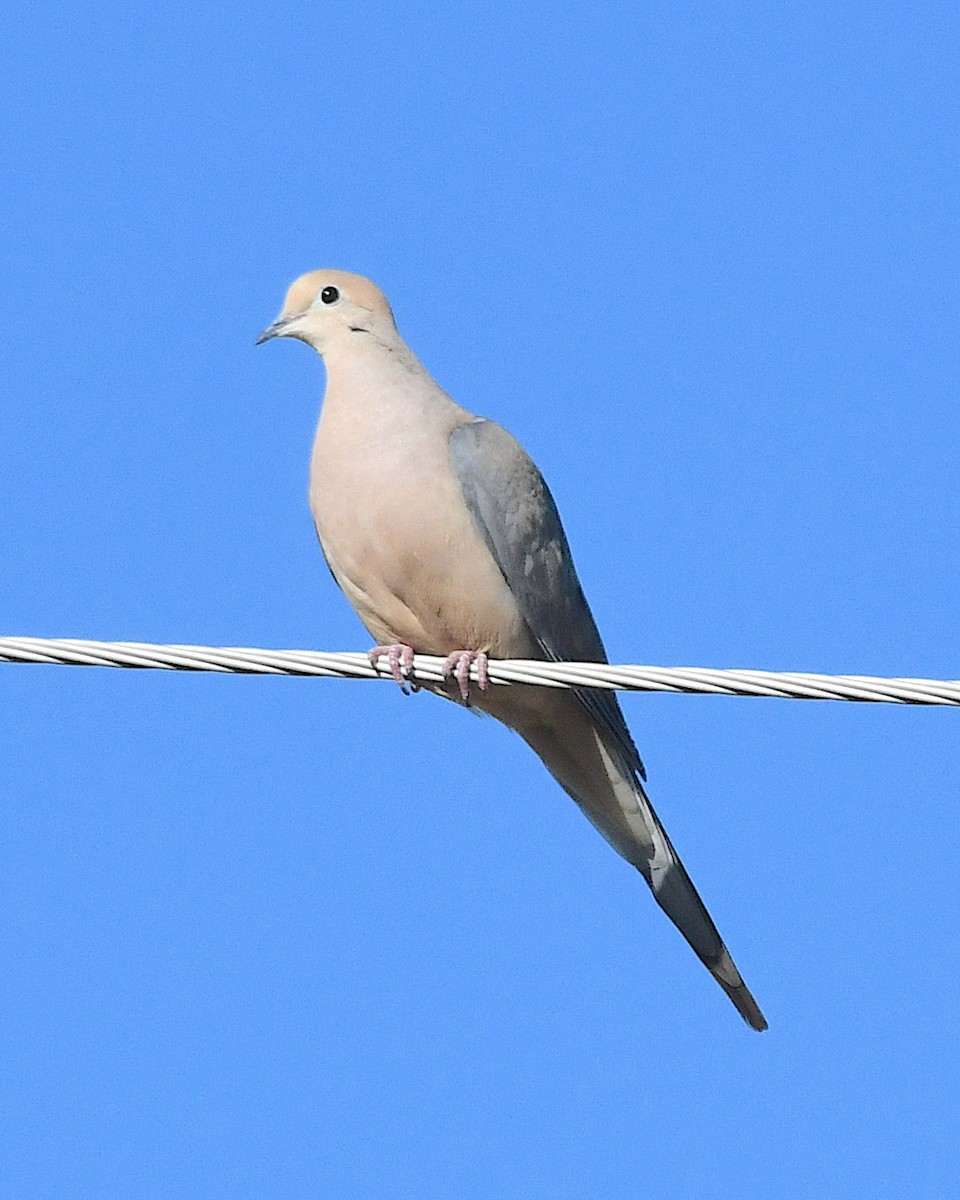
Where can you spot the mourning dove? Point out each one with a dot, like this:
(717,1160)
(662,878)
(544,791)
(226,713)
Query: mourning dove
(443,535)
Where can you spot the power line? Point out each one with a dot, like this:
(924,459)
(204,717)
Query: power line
(427,669)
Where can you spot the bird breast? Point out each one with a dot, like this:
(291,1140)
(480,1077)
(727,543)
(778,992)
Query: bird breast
(400,540)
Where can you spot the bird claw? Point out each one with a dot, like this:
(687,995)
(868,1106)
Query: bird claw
(458,665)
(400,662)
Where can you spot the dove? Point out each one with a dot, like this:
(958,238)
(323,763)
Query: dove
(444,537)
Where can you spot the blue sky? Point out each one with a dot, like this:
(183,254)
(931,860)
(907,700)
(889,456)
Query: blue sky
(294,938)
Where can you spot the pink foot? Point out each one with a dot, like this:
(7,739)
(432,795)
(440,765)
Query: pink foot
(400,662)
(458,665)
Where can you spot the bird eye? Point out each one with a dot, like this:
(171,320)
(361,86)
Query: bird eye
(330,295)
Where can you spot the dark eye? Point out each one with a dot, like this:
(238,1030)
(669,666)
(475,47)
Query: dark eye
(330,295)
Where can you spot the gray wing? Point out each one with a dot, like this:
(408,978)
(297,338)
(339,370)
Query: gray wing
(514,511)
(512,507)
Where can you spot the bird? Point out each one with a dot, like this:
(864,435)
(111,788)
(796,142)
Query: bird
(445,538)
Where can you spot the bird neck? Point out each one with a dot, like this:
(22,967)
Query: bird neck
(381,384)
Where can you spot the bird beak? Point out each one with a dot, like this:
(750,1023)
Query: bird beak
(277,328)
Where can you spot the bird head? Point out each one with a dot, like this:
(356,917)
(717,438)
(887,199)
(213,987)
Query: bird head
(323,306)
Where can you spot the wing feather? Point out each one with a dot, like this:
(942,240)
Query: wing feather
(514,511)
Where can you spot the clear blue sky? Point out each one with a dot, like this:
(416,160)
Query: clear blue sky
(300,938)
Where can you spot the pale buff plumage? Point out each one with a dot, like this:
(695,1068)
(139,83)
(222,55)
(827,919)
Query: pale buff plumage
(405,489)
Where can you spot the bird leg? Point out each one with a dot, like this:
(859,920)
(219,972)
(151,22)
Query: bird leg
(400,662)
(458,665)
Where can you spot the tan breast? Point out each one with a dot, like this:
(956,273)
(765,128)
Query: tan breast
(397,533)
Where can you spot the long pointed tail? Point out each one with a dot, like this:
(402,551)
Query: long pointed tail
(673,890)
(600,772)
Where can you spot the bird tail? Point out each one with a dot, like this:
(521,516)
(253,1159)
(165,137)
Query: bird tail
(674,891)
(605,785)
(650,850)
(653,855)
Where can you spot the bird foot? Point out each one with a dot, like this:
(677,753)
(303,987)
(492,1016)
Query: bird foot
(400,662)
(458,665)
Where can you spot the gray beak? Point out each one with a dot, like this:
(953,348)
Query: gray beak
(276,329)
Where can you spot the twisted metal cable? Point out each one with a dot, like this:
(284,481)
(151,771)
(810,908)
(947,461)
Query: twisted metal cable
(695,680)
